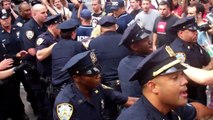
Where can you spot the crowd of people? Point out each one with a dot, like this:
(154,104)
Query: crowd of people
(124,60)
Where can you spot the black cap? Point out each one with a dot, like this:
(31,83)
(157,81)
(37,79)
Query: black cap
(160,62)
(185,23)
(54,19)
(67,25)
(133,33)
(4,14)
(116,4)
(83,64)
(106,21)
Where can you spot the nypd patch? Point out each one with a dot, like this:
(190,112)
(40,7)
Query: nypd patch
(181,56)
(39,41)
(64,111)
(29,34)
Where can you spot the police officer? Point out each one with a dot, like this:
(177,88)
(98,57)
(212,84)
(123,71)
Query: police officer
(30,31)
(45,43)
(24,14)
(62,52)
(164,90)
(109,57)
(85,29)
(85,98)
(137,39)
(190,52)
(123,18)
(10,47)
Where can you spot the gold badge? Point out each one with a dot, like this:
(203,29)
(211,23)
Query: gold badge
(29,34)
(170,51)
(64,111)
(93,57)
(39,41)
(181,56)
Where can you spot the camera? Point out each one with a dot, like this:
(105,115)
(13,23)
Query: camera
(206,27)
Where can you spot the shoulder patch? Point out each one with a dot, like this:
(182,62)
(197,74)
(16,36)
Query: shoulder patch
(19,24)
(64,111)
(105,87)
(29,34)
(39,41)
(181,56)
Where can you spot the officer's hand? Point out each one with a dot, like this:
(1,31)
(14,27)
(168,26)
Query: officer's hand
(6,63)
(20,67)
(21,54)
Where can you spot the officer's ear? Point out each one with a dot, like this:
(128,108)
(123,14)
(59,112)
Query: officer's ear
(152,86)
(75,78)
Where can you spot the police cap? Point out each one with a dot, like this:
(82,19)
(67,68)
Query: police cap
(160,62)
(135,32)
(116,4)
(67,25)
(4,14)
(86,14)
(185,23)
(106,21)
(54,19)
(84,63)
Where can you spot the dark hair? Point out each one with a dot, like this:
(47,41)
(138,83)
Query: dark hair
(165,3)
(200,8)
(4,1)
(66,34)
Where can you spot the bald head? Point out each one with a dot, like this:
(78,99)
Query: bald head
(39,13)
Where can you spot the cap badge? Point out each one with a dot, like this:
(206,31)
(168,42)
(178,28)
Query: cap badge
(93,57)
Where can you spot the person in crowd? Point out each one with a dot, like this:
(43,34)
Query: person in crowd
(66,48)
(147,13)
(85,98)
(98,12)
(109,57)
(8,5)
(135,5)
(137,39)
(11,47)
(24,14)
(119,12)
(29,33)
(56,7)
(188,51)
(164,90)
(85,29)
(163,34)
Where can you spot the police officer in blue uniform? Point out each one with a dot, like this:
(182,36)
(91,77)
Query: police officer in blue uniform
(10,47)
(136,39)
(85,29)
(85,98)
(30,31)
(66,48)
(45,43)
(190,52)
(24,14)
(164,90)
(123,18)
(109,55)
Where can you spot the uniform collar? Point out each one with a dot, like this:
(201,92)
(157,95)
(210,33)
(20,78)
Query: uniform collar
(186,44)
(80,98)
(153,112)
